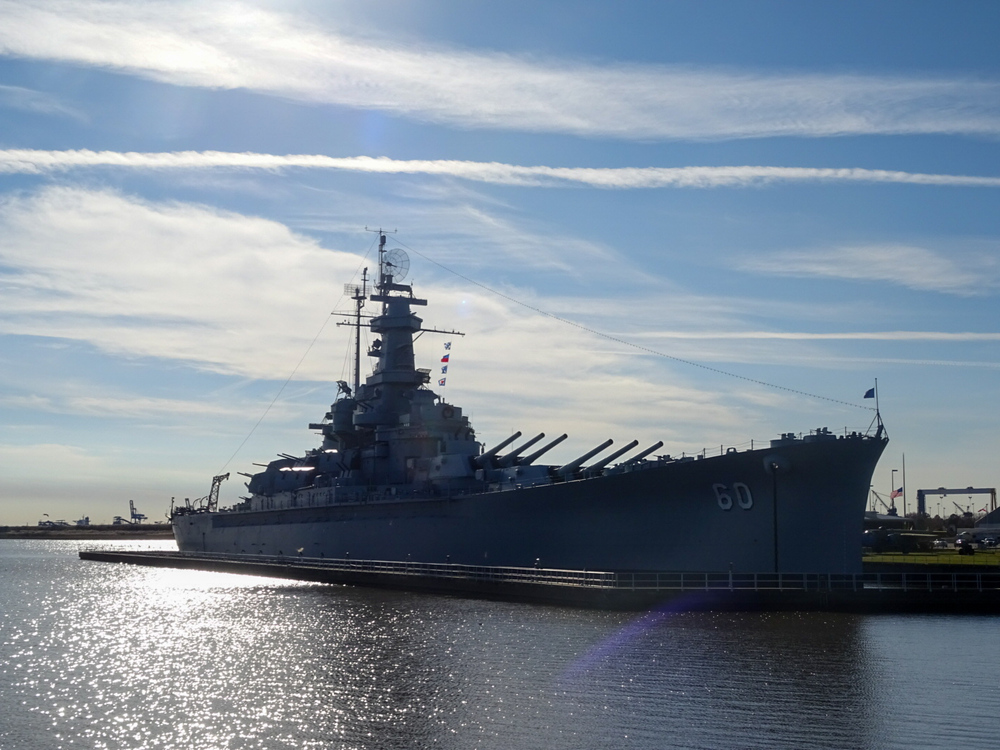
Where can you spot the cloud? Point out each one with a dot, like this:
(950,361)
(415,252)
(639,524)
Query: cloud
(245,296)
(904,265)
(237,45)
(29,100)
(127,406)
(32,161)
(38,460)
(172,280)
(953,336)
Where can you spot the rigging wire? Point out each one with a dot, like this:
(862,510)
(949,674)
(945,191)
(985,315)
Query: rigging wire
(625,342)
(297,366)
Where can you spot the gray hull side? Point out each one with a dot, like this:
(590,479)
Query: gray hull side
(685,516)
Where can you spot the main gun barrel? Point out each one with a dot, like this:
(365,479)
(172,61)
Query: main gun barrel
(545,449)
(508,459)
(636,459)
(574,465)
(605,461)
(482,459)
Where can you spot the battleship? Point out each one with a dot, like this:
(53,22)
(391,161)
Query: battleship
(400,475)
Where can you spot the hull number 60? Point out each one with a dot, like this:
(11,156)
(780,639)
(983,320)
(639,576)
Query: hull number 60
(739,493)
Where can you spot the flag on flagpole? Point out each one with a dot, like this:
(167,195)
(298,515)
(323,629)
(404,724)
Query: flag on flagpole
(445,357)
(444,370)
(441,381)
(896,493)
(447,345)
(870,393)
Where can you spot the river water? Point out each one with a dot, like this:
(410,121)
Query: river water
(99,655)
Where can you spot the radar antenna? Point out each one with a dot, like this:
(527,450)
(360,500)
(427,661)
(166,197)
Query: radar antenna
(396,263)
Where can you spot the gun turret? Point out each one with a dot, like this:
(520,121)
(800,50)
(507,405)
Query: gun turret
(509,458)
(528,459)
(605,461)
(574,465)
(486,458)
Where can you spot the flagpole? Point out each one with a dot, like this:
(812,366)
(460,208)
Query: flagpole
(904,486)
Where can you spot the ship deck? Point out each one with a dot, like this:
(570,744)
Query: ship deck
(951,591)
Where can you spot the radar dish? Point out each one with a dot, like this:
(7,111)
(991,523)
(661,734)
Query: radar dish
(396,263)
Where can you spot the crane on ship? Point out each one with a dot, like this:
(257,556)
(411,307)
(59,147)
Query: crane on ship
(207,504)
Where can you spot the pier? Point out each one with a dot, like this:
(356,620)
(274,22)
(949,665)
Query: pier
(941,591)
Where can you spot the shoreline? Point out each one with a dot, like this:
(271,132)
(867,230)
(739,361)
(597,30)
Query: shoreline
(96,531)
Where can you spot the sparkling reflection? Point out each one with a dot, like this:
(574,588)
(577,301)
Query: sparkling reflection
(95,655)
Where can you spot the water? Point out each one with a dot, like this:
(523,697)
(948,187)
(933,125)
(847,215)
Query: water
(98,655)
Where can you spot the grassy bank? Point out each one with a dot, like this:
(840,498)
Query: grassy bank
(937,557)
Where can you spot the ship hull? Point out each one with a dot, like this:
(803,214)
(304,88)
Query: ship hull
(792,508)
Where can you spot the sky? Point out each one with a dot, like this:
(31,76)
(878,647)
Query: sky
(706,223)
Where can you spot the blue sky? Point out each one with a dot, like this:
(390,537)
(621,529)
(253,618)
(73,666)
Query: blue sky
(798,198)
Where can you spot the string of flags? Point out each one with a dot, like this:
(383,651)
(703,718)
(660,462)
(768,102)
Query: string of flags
(444,361)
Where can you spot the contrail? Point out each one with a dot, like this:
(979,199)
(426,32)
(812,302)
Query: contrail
(32,161)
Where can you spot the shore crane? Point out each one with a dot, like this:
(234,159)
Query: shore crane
(922,497)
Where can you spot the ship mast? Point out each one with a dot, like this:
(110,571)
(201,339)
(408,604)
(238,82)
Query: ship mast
(381,259)
(360,292)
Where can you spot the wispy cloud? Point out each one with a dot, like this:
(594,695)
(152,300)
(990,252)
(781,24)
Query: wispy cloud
(74,461)
(904,265)
(178,281)
(34,161)
(29,100)
(958,336)
(234,45)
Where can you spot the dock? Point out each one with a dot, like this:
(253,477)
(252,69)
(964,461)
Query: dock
(935,591)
